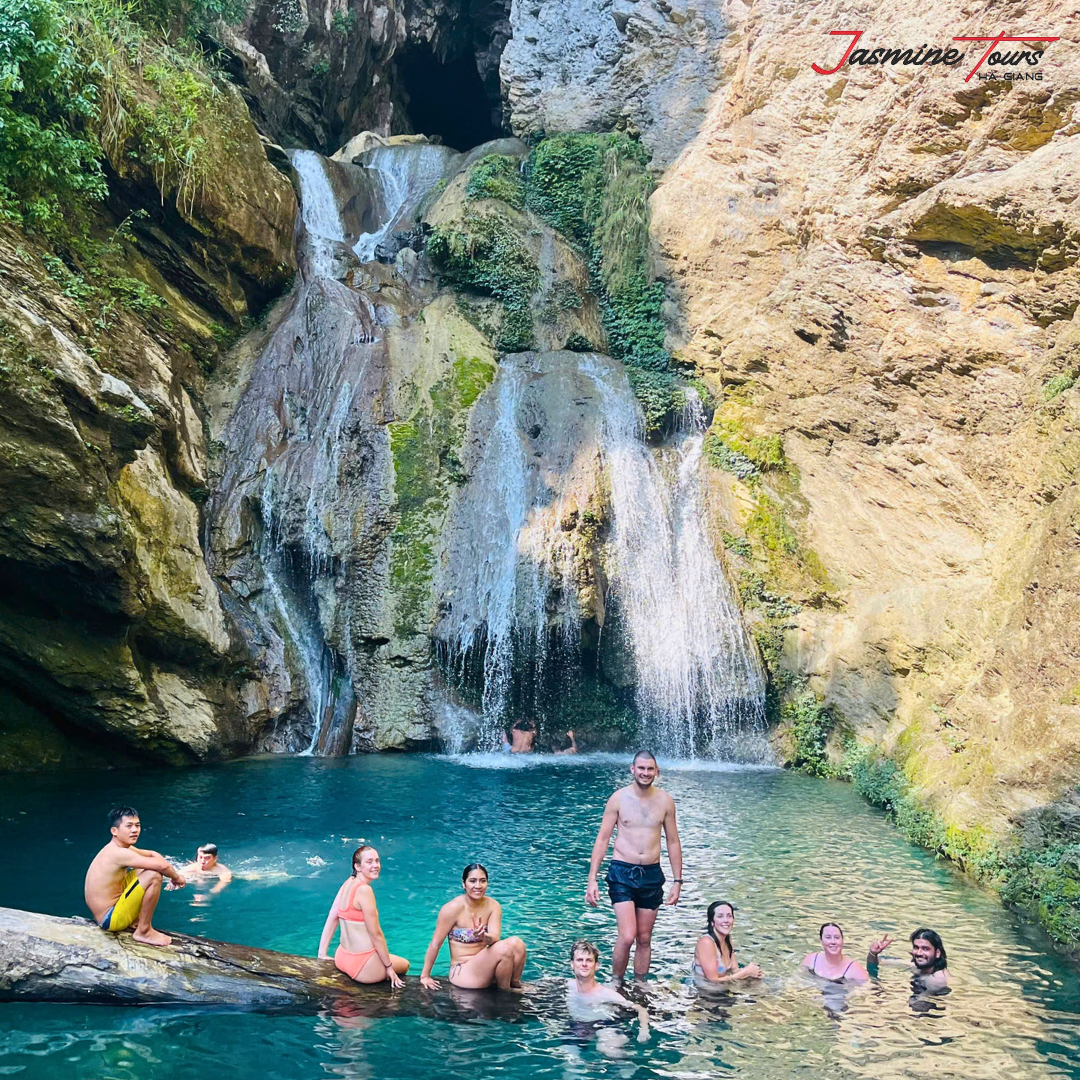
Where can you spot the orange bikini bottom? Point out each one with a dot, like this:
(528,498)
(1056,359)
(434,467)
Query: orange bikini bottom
(351,963)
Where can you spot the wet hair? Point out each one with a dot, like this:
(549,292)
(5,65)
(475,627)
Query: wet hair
(118,813)
(827,924)
(926,934)
(470,868)
(208,849)
(645,754)
(581,945)
(711,930)
(523,725)
(356,856)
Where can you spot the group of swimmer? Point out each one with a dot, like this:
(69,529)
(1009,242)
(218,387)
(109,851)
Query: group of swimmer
(123,886)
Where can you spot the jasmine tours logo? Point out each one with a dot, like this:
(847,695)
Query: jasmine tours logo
(1023,52)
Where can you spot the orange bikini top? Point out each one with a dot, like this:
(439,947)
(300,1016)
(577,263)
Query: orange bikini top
(346,911)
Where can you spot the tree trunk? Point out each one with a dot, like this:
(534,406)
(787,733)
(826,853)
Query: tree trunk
(46,958)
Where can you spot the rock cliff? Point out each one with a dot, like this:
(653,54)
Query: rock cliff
(879,267)
(110,623)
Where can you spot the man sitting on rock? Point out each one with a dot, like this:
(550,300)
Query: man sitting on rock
(123,884)
(206,866)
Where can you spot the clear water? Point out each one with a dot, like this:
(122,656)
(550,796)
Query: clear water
(789,851)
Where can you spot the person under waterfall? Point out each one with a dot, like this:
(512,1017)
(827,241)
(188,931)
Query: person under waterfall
(636,814)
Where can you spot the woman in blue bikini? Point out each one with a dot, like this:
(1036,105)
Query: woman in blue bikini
(831,963)
(479,955)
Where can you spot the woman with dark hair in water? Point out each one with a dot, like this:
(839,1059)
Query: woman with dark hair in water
(362,953)
(831,963)
(714,957)
(479,955)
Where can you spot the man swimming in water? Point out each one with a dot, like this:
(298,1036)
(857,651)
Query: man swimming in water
(123,884)
(634,879)
(586,998)
(929,964)
(206,866)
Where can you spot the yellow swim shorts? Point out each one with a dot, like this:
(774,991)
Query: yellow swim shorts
(126,910)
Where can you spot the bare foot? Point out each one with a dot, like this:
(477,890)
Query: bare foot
(152,937)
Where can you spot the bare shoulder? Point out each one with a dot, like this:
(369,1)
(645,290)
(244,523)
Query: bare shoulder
(669,802)
(808,959)
(452,908)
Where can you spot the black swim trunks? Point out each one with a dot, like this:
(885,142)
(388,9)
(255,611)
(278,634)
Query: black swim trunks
(641,885)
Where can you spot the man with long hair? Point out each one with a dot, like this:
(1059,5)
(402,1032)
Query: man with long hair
(929,963)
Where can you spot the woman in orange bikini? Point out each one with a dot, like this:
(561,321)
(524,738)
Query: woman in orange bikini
(479,955)
(362,953)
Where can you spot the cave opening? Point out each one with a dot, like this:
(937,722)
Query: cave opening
(447,98)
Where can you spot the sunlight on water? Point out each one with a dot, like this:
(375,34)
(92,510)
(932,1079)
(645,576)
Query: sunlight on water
(789,851)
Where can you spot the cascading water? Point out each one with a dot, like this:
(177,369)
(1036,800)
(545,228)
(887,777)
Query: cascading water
(319,211)
(401,180)
(509,588)
(510,561)
(574,568)
(700,687)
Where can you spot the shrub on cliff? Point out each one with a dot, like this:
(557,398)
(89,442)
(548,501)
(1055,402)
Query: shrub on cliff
(595,189)
(49,151)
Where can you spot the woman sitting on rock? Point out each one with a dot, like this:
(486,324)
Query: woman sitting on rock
(479,955)
(714,957)
(831,963)
(362,953)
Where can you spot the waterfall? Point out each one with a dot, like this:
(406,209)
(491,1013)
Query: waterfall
(509,593)
(318,210)
(509,563)
(700,686)
(403,176)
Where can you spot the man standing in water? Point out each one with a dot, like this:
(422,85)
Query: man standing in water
(123,883)
(634,878)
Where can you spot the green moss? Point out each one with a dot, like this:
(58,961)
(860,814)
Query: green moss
(497,176)
(769,528)
(491,259)
(424,449)
(721,456)
(1058,385)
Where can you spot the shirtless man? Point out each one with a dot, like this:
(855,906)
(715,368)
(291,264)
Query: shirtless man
(634,878)
(522,737)
(123,884)
(586,998)
(205,866)
(929,964)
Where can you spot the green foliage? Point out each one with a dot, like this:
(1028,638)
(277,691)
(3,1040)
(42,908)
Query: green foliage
(321,68)
(190,14)
(49,152)
(343,22)
(491,259)
(809,724)
(739,545)
(721,456)
(579,343)
(497,176)
(594,188)
(769,527)
(1058,385)
(1046,882)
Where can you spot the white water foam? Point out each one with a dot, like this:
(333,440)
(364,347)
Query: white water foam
(318,210)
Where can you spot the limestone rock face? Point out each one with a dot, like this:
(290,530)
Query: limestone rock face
(643,65)
(880,265)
